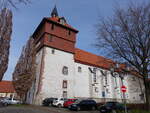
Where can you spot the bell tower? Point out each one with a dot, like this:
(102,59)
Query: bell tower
(56,33)
(54,12)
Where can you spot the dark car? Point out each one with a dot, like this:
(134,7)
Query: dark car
(83,105)
(111,107)
(48,101)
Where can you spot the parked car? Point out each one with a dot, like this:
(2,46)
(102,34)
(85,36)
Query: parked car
(59,102)
(109,107)
(48,101)
(8,101)
(1,101)
(69,102)
(83,105)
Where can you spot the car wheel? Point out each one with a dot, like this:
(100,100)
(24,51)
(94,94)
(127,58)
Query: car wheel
(50,104)
(59,105)
(104,112)
(114,111)
(93,108)
(78,108)
(5,104)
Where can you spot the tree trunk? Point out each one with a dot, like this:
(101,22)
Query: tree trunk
(147,93)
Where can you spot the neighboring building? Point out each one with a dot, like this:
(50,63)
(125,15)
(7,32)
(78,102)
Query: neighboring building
(65,71)
(7,89)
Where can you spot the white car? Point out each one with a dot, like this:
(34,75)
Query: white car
(10,101)
(59,102)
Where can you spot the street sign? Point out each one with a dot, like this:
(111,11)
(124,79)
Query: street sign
(123,89)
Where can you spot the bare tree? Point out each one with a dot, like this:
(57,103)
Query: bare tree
(12,3)
(5,37)
(6,31)
(126,37)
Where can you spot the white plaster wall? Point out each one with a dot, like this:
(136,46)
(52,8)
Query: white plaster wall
(80,84)
(7,94)
(53,77)
(82,81)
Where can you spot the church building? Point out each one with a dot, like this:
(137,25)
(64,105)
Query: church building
(62,70)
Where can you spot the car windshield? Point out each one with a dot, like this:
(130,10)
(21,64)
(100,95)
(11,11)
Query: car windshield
(77,101)
(109,104)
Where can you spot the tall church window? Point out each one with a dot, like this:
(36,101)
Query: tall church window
(94,75)
(106,81)
(65,70)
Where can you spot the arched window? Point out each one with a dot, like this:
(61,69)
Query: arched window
(65,70)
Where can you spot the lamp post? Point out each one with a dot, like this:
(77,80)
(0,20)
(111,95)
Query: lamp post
(121,76)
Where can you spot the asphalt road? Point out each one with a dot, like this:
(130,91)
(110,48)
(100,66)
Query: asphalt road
(38,109)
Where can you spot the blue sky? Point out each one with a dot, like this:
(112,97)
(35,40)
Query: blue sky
(81,14)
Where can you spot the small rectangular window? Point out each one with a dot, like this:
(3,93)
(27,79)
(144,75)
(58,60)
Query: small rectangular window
(65,70)
(79,69)
(53,51)
(69,33)
(64,83)
(50,37)
(64,94)
(52,27)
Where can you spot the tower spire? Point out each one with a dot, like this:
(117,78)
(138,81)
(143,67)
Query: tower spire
(54,12)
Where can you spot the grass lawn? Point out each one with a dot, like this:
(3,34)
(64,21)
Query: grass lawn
(139,111)
(136,111)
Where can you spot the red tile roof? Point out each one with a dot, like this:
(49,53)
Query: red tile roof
(92,59)
(87,58)
(6,87)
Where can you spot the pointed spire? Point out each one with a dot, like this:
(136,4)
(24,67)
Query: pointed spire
(54,12)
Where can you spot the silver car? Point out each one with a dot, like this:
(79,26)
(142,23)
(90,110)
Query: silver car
(10,101)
